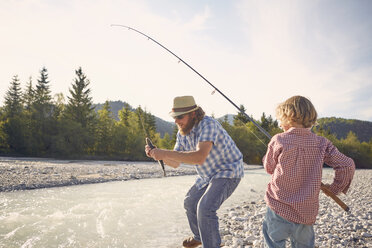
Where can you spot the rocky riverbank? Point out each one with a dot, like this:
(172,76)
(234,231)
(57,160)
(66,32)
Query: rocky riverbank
(241,226)
(36,173)
(25,174)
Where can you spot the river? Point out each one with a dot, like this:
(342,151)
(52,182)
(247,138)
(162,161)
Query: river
(136,213)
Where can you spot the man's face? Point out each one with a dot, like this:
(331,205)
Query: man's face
(185,122)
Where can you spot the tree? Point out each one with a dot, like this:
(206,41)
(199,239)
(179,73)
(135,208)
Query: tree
(240,118)
(42,115)
(166,142)
(29,96)
(80,106)
(43,98)
(270,125)
(13,98)
(13,126)
(105,130)
(124,114)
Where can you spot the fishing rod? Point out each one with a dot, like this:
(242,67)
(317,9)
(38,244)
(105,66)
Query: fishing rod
(215,88)
(149,143)
(323,187)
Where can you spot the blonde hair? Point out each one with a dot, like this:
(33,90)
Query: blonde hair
(297,109)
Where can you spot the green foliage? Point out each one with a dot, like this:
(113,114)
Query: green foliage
(34,124)
(13,103)
(166,142)
(341,127)
(240,119)
(80,106)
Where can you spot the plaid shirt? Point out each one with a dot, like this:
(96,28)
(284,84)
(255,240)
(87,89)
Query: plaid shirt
(224,160)
(295,159)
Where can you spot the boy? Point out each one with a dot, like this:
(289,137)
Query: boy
(295,160)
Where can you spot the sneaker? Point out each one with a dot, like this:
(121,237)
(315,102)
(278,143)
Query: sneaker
(190,242)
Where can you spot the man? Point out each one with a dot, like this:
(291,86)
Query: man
(202,141)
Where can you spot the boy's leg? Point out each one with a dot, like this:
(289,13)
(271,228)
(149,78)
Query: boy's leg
(303,236)
(190,204)
(218,191)
(275,229)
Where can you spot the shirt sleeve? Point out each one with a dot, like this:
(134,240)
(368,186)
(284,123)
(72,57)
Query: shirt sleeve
(208,132)
(270,160)
(344,169)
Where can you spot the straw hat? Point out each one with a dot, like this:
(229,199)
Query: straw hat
(183,105)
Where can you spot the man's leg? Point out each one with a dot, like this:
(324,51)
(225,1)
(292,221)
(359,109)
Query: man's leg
(190,204)
(218,191)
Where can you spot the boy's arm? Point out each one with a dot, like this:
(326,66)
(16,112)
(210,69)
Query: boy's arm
(270,160)
(344,168)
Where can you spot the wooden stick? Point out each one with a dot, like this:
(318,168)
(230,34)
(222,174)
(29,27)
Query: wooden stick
(329,193)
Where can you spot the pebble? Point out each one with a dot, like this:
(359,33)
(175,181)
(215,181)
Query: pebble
(240,226)
(334,227)
(25,174)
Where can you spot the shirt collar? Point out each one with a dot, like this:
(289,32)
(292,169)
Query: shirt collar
(299,130)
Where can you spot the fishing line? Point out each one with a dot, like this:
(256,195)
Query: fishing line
(215,88)
(333,196)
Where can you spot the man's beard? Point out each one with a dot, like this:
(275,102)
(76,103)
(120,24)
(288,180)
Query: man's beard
(187,128)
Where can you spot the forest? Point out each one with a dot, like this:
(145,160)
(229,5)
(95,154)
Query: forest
(35,123)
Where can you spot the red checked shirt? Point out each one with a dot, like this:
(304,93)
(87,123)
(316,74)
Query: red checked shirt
(295,160)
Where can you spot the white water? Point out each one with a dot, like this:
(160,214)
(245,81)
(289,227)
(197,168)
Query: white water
(140,213)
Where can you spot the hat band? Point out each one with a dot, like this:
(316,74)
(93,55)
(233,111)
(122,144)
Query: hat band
(183,109)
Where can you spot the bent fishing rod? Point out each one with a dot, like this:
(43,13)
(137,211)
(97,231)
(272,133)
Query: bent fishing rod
(149,143)
(323,187)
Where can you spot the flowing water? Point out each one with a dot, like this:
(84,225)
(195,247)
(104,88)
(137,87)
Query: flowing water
(137,213)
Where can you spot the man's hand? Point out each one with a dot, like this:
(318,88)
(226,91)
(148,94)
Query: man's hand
(147,151)
(157,154)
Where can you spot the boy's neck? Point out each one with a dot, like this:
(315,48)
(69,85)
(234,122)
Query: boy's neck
(294,125)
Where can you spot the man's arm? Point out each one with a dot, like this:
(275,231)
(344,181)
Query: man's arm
(174,158)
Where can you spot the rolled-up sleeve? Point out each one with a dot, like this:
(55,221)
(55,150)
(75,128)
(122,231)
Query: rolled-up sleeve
(344,169)
(270,160)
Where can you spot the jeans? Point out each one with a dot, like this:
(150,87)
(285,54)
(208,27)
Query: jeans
(276,230)
(201,206)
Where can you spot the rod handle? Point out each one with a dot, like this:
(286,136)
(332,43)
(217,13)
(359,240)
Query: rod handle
(329,193)
(151,145)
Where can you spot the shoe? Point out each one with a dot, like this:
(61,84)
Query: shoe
(190,242)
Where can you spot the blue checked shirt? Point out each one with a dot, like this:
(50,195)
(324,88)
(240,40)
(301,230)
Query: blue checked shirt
(224,160)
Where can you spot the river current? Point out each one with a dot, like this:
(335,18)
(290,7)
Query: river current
(137,213)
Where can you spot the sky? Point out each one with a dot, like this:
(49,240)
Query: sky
(258,53)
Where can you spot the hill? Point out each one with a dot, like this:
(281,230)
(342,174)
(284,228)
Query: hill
(162,126)
(341,127)
(338,126)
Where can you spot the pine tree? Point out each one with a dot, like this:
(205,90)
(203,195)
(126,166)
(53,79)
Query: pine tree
(29,95)
(13,98)
(105,130)
(80,106)
(13,127)
(43,104)
(43,123)
(240,118)
(124,114)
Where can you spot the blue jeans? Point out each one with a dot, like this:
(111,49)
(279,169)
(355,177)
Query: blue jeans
(201,206)
(277,230)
